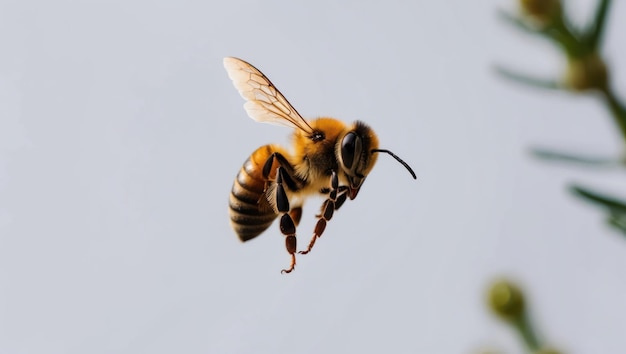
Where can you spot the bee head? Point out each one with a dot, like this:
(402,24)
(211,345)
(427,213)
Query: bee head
(357,155)
(354,155)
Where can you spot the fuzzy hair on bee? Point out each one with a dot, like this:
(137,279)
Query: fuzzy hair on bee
(329,158)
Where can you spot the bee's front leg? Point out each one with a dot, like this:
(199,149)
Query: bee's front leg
(336,198)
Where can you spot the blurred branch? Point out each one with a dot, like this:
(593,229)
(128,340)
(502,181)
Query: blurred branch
(562,33)
(557,30)
(518,22)
(586,68)
(595,33)
(571,158)
(526,330)
(527,80)
(618,221)
(614,205)
(617,108)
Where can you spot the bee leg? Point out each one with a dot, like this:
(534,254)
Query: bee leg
(282,162)
(296,214)
(287,168)
(287,224)
(288,228)
(332,203)
(341,197)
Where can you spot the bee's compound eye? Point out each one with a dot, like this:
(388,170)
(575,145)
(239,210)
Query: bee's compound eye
(350,147)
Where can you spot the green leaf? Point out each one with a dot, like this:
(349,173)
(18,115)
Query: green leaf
(618,221)
(590,161)
(616,206)
(527,80)
(518,22)
(555,32)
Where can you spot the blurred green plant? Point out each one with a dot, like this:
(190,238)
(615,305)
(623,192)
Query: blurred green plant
(586,72)
(507,301)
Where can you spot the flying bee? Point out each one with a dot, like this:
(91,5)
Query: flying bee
(330,158)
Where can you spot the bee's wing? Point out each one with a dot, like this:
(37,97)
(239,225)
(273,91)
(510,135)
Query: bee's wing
(264,102)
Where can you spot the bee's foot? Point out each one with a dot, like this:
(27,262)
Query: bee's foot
(291,267)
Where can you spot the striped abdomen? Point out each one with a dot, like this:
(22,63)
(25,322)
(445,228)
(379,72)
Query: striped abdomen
(250,212)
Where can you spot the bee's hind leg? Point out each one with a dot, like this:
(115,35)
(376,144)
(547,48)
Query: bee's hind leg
(296,214)
(285,177)
(287,224)
(288,228)
(336,198)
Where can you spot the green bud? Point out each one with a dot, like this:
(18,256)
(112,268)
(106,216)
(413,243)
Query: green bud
(586,73)
(544,12)
(506,300)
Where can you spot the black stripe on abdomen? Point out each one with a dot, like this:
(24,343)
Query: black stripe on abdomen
(248,217)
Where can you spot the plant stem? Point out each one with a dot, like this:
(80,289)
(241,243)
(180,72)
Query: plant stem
(617,109)
(527,332)
(528,80)
(594,34)
(568,40)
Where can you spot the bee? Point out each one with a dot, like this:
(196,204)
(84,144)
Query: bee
(329,158)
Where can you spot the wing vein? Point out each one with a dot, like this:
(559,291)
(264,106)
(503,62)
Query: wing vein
(264,103)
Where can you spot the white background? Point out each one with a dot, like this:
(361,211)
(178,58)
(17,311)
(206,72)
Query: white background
(121,134)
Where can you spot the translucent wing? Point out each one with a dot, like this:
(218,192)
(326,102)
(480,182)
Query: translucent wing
(264,102)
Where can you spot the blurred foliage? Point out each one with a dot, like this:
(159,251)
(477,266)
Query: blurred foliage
(508,302)
(586,72)
(615,208)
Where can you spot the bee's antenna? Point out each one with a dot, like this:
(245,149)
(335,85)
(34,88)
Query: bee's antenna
(406,165)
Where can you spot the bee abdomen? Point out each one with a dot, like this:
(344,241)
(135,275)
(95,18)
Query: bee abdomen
(250,212)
